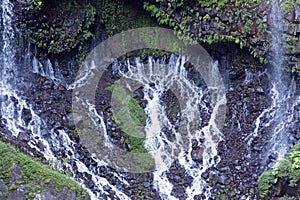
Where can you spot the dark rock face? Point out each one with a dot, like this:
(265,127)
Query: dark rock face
(57,27)
(15,173)
(26,115)
(50,194)
(180,180)
(24,136)
(247,24)
(16,194)
(233,178)
(241,171)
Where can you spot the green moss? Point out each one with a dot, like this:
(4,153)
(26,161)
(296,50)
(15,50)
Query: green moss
(265,182)
(55,36)
(288,198)
(118,16)
(239,22)
(288,6)
(289,168)
(130,117)
(34,174)
(294,70)
(132,120)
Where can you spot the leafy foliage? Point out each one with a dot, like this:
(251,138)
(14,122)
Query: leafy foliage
(289,167)
(36,5)
(56,36)
(118,16)
(222,20)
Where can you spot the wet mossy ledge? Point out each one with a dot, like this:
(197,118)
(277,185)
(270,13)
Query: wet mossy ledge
(131,118)
(23,177)
(246,23)
(283,179)
(59,27)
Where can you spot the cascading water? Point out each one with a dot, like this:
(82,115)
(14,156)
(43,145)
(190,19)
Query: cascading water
(283,94)
(190,141)
(48,140)
(47,70)
(156,78)
(278,118)
(7,65)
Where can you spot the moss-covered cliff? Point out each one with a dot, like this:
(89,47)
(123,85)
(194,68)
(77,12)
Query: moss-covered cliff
(247,23)
(22,177)
(59,27)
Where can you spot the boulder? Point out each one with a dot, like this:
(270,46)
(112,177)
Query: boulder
(197,154)
(15,173)
(24,136)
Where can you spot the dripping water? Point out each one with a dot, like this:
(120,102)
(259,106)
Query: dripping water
(49,71)
(48,140)
(156,78)
(278,118)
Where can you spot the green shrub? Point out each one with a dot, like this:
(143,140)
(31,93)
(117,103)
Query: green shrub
(289,167)
(288,198)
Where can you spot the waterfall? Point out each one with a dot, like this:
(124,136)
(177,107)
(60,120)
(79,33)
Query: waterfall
(7,39)
(181,130)
(46,139)
(192,146)
(283,93)
(49,71)
(279,118)
(156,78)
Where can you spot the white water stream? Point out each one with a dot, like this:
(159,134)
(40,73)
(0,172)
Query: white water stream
(52,139)
(278,117)
(156,78)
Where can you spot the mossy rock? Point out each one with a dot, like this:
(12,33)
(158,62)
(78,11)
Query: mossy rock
(22,172)
(58,27)
(246,23)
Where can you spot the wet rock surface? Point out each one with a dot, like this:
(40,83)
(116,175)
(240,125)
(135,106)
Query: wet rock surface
(237,173)
(235,177)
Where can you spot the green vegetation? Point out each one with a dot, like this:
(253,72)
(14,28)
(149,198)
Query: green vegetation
(265,182)
(288,198)
(220,4)
(294,70)
(288,6)
(36,5)
(288,168)
(130,117)
(118,16)
(34,174)
(239,22)
(56,36)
